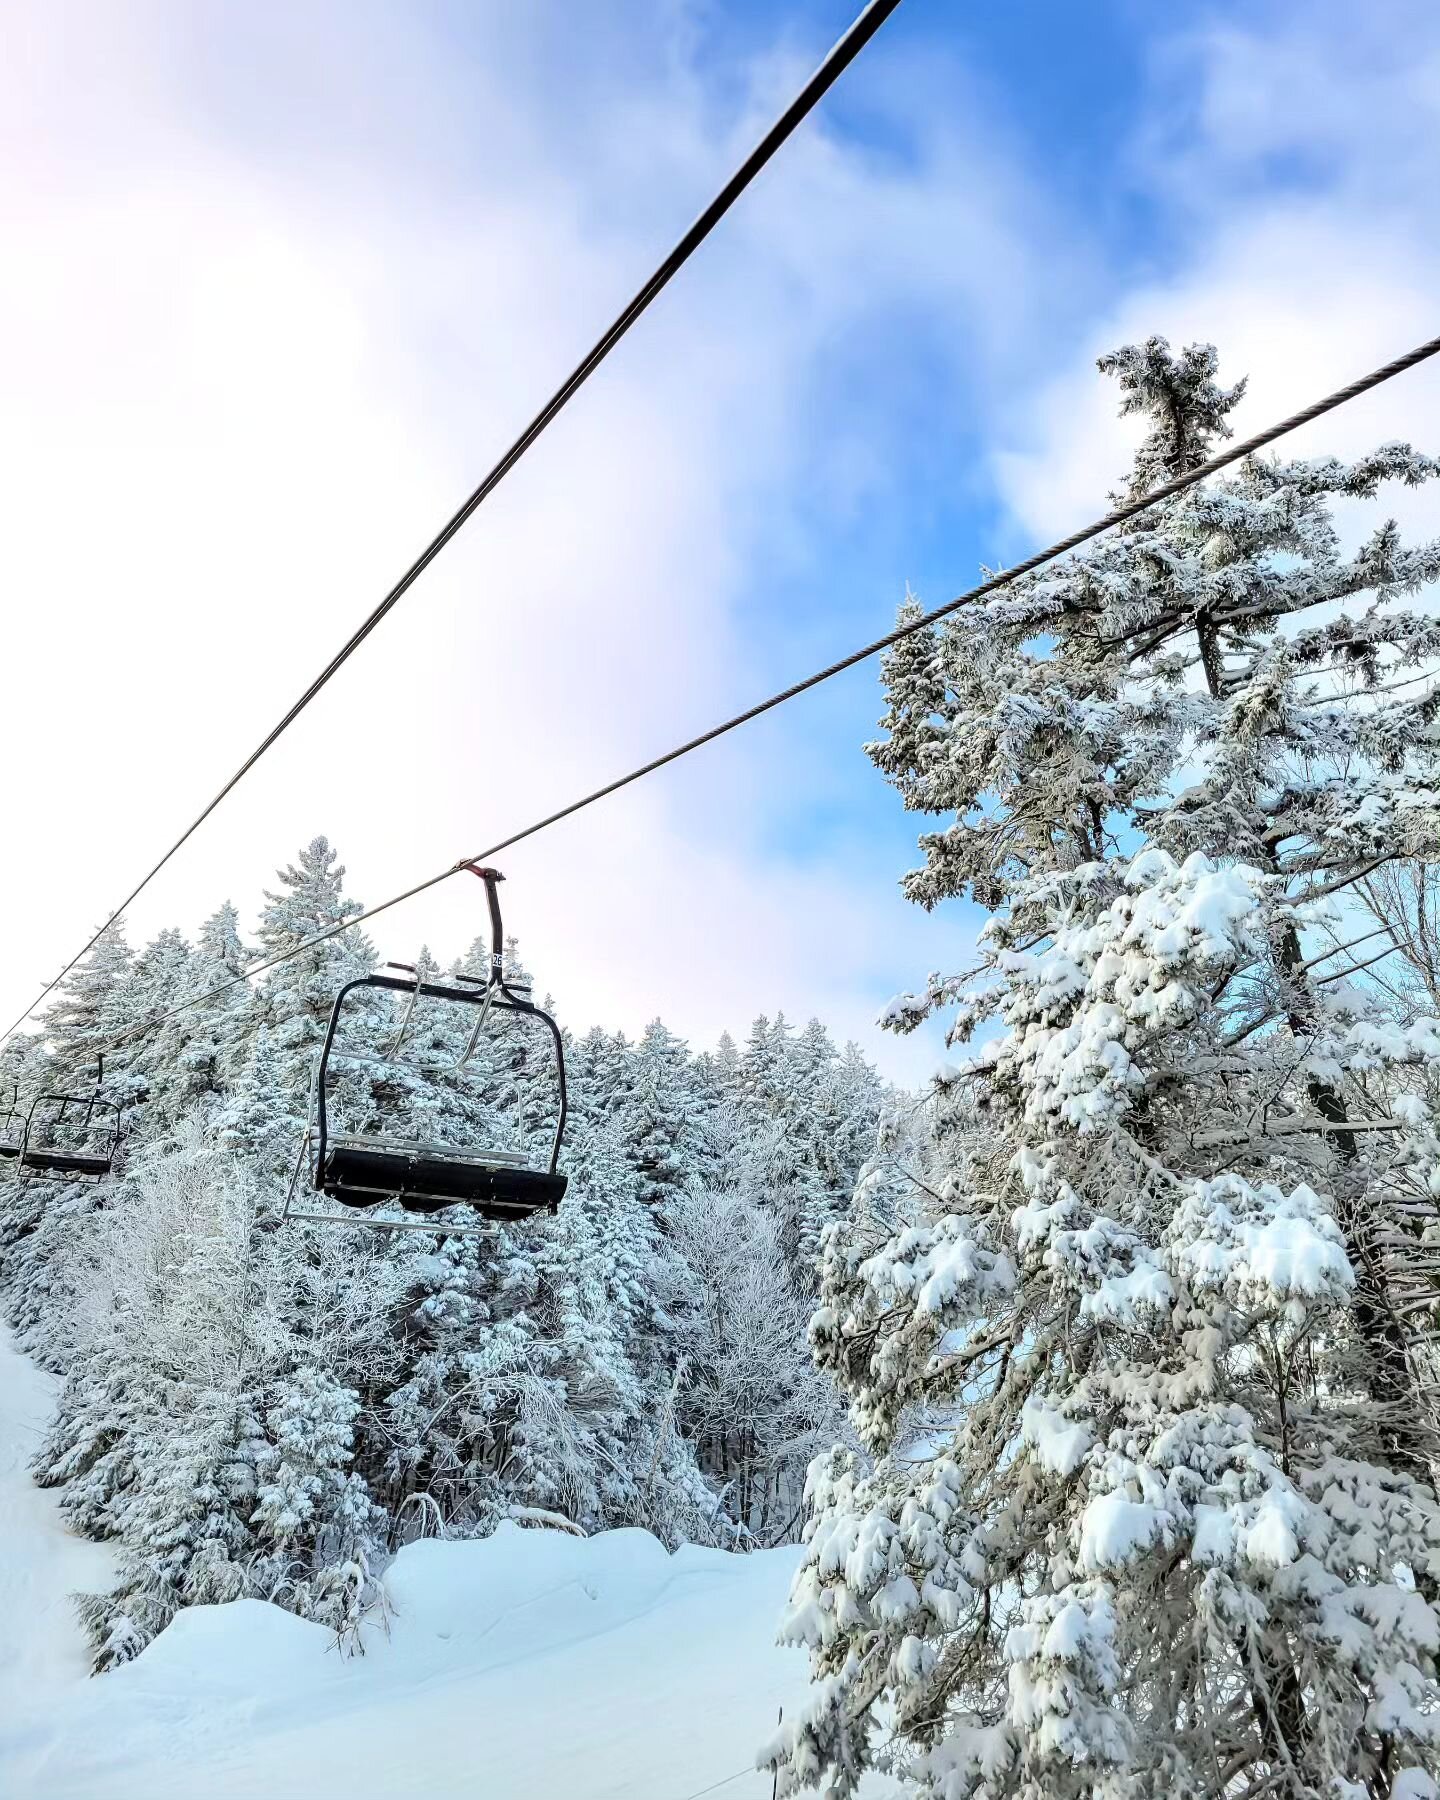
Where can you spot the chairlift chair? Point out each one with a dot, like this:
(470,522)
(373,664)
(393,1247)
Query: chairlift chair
(12,1126)
(71,1137)
(424,1176)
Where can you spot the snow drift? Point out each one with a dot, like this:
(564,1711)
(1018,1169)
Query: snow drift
(529,1663)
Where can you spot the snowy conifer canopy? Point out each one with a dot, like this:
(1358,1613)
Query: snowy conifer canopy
(265,1412)
(1147,1371)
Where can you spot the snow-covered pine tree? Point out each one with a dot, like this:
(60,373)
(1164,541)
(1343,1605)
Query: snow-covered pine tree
(538,1381)
(159,979)
(154,1440)
(661,1115)
(97,1005)
(1151,1509)
(759,1061)
(201,1044)
(811,1117)
(88,1009)
(294,999)
(22,1061)
(602,1066)
(206,1421)
(717,1071)
(279,1026)
(603,1273)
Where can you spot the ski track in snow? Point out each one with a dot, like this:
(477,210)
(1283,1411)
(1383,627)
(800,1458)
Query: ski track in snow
(527,1666)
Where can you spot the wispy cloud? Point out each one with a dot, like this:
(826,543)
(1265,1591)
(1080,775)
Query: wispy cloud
(283,281)
(1288,149)
(288,280)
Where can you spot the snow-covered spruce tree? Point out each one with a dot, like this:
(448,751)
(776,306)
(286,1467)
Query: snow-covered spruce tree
(717,1071)
(200,1046)
(661,1114)
(290,1005)
(1150,1511)
(88,1008)
(23,1063)
(823,1110)
(206,1423)
(536,1385)
(155,1440)
(98,1003)
(159,980)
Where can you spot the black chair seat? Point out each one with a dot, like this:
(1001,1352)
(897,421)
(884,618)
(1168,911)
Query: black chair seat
(65,1162)
(426,1179)
(9,1149)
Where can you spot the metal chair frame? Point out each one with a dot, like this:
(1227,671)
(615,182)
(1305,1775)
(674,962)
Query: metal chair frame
(12,1125)
(490,994)
(48,1163)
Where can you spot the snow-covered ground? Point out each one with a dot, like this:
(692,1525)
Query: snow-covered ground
(42,1653)
(529,1666)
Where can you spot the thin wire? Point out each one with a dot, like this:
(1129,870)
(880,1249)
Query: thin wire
(1130,510)
(724,1782)
(824,78)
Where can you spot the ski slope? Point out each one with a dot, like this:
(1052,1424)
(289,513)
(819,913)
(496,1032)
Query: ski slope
(527,1666)
(42,1652)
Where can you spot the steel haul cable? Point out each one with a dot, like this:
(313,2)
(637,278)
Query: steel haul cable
(1130,510)
(866,25)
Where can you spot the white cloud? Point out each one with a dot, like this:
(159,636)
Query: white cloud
(278,293)
(281,282)
(1287,153)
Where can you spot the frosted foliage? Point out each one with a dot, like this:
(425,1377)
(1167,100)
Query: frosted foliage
(178,1330)
(257,1412)
(753,1401)
(1119,975)
(1141,1354)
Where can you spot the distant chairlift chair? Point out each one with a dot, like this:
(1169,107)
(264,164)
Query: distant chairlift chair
(12,1126)
(426,1177)
(71,1137)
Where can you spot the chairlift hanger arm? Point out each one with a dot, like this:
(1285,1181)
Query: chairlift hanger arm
(492,879)
(393,1049)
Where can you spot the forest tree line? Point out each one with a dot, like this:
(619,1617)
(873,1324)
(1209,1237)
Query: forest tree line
(251,1409)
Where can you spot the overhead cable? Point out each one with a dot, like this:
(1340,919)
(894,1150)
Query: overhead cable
(866,25)
(1130,510)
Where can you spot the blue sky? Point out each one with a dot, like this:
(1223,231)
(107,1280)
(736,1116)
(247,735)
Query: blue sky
(292,276)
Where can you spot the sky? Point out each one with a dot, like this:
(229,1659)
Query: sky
(282,281)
